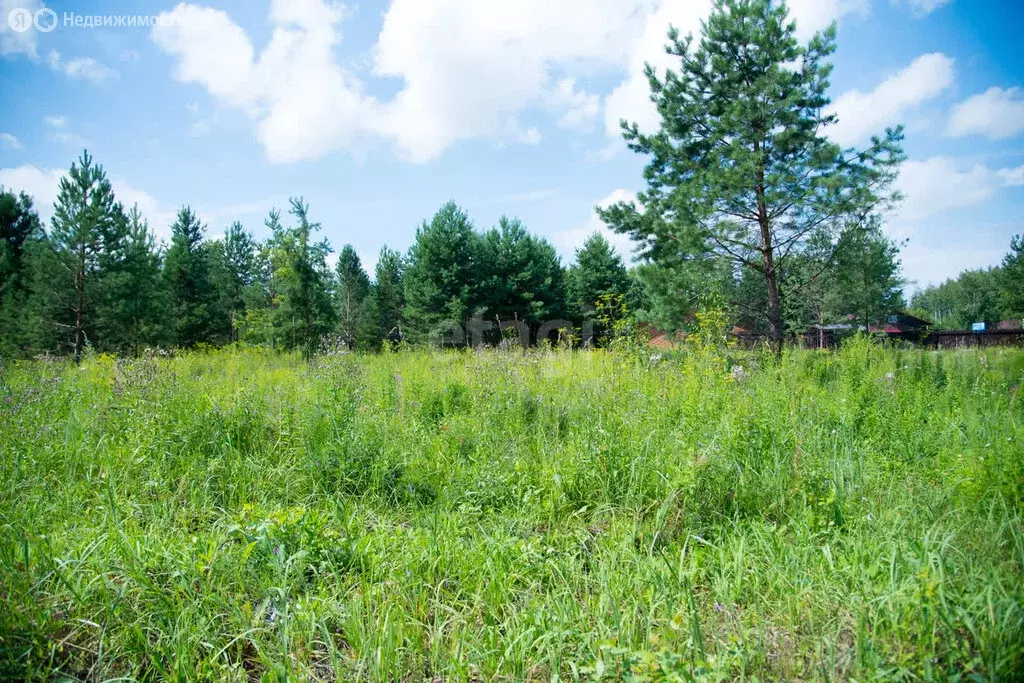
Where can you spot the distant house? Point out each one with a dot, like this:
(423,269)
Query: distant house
(903,325)
(896,325)
(825,336)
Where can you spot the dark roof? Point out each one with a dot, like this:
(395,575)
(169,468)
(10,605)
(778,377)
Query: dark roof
(922,321)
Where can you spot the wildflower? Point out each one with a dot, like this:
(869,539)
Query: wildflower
(718,607)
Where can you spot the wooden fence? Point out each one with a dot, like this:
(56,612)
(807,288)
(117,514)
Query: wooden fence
(956,339)
(938,339)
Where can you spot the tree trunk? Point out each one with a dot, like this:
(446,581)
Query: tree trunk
(774,302)
(80,292)
(768,261)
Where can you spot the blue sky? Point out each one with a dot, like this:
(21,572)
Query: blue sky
(378,112)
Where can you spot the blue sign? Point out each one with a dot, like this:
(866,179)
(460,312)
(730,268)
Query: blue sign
(977,327)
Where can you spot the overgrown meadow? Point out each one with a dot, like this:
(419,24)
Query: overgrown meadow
(513,516)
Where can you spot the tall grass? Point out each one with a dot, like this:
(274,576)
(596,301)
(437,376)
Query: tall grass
(510,516)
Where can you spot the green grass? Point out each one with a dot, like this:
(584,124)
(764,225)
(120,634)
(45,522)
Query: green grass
(510,516)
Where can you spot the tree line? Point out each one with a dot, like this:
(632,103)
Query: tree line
(750,210)
(988,295)
(99,278)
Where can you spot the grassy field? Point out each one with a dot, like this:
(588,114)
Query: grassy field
(511,516)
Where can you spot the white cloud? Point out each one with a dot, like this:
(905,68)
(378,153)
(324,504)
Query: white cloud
(864,114)
(580,107)
(463,70)
(367,259)
(521,197)
(812,16)
(937,185)
(42,184)
(931,261)
(922,8)
(303,102)
(251,214)
(18,42)
(68,138)
(10,141)
(1012,177)
(996,113)
(530,136)
(81,67)
(941,245)
(61,134)
(159,215)
(509,57)
(505,60)
(568,241)
(200,127)
(631,99)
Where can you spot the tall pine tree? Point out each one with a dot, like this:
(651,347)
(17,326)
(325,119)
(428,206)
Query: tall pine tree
(1012,280)
(866,281)
(442,276)
(382,314)
(523,279)
(304,313)
(233,269)
(597,272)
(742,169)
(88,232)
(136,298)
(353,288)
(187,270)
(21,236)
